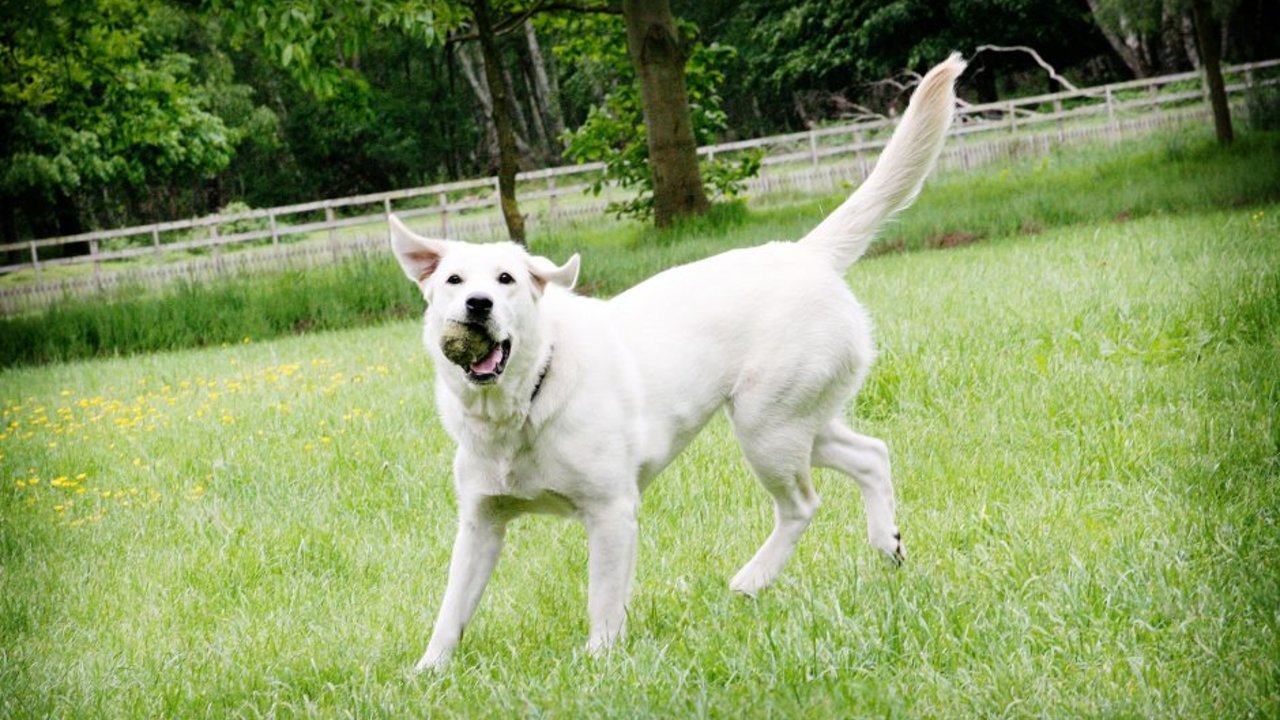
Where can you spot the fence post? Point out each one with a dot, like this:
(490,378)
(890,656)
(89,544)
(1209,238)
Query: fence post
(97,263)
(859,139)
(497,205)
(551,197)
(1062,123)
(813,148)
(333,235)
(217,248)
(443,198)
(275,235)
(155,238)
(35,259)
(1111,116)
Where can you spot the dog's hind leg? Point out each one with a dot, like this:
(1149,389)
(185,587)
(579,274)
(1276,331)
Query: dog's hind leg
(866,460)
(779,457)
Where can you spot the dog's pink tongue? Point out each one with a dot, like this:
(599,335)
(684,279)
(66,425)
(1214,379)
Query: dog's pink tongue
(489,364)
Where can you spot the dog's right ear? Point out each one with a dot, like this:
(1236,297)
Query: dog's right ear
(418,256)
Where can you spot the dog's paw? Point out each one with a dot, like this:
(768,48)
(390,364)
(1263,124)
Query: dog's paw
(598,648)
(750,581)
(431,662)
(890,544)
(899,554)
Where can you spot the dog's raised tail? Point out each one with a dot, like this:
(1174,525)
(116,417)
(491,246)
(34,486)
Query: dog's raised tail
(898,174)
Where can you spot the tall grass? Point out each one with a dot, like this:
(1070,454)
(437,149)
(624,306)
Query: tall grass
(1170,173)
(202,314)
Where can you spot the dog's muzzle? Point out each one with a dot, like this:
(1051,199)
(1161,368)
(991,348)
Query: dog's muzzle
(473,347)
(490,367)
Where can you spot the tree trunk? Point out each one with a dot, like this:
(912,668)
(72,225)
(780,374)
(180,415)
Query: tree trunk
(520,126)
(548,95)
(659,54)
(1188,32)
(1127,47)
(508,155)
(1210,43)
(481,91)
(537,118)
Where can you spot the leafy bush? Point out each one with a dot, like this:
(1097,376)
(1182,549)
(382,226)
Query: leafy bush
(242,225)
(1264,108)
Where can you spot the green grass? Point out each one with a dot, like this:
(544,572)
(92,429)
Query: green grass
(1166,174)
(1084,425)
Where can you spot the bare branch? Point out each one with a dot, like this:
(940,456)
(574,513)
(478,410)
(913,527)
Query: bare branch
(900,87)
(1053,73)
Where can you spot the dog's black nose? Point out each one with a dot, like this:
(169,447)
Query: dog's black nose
(479,304)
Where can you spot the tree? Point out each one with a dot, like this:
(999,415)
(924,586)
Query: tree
(299,31)
(1150,37)
(107,113)
(1130,16)
(1210,43)
(809,61)
(659,52)
(614,131)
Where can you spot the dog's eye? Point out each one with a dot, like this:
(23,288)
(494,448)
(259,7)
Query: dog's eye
(506,279)
(454,280)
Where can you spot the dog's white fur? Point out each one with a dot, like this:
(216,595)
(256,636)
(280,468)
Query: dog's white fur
(598,397)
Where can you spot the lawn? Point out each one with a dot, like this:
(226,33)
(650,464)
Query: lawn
(1084,423)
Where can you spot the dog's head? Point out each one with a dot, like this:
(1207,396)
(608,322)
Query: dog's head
(482,301)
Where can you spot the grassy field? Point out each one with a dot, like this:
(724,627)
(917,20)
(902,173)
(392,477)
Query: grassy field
(1165,174)
(1085,430)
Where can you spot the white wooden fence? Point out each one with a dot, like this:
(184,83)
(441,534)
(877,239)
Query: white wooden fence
(306,234)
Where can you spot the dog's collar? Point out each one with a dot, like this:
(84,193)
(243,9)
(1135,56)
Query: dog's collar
(537,387)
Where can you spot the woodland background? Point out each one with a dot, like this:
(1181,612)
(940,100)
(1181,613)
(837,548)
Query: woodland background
(117,113)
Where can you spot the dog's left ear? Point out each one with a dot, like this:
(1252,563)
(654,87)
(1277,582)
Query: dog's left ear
(544,271)
(418,256)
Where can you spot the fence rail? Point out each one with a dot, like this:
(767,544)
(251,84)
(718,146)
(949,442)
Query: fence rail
(808,160)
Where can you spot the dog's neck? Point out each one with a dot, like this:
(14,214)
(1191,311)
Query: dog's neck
(542,376)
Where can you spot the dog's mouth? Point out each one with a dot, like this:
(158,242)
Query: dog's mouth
(488,368)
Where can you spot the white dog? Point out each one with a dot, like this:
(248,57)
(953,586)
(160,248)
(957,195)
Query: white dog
(574,405)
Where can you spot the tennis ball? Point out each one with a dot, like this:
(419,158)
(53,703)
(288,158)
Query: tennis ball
(464,344)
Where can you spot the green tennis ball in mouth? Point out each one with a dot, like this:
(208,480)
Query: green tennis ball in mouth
(465,344)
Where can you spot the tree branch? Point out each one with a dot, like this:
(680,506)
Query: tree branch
(1035,55)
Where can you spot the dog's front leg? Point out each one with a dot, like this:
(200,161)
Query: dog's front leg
(475,552)
(611,539)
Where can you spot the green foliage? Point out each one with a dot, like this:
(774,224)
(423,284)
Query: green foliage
(614,131)
(103,101)
(1264,108)
(301,35)
(797,56)
(124,113)
(242,225)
